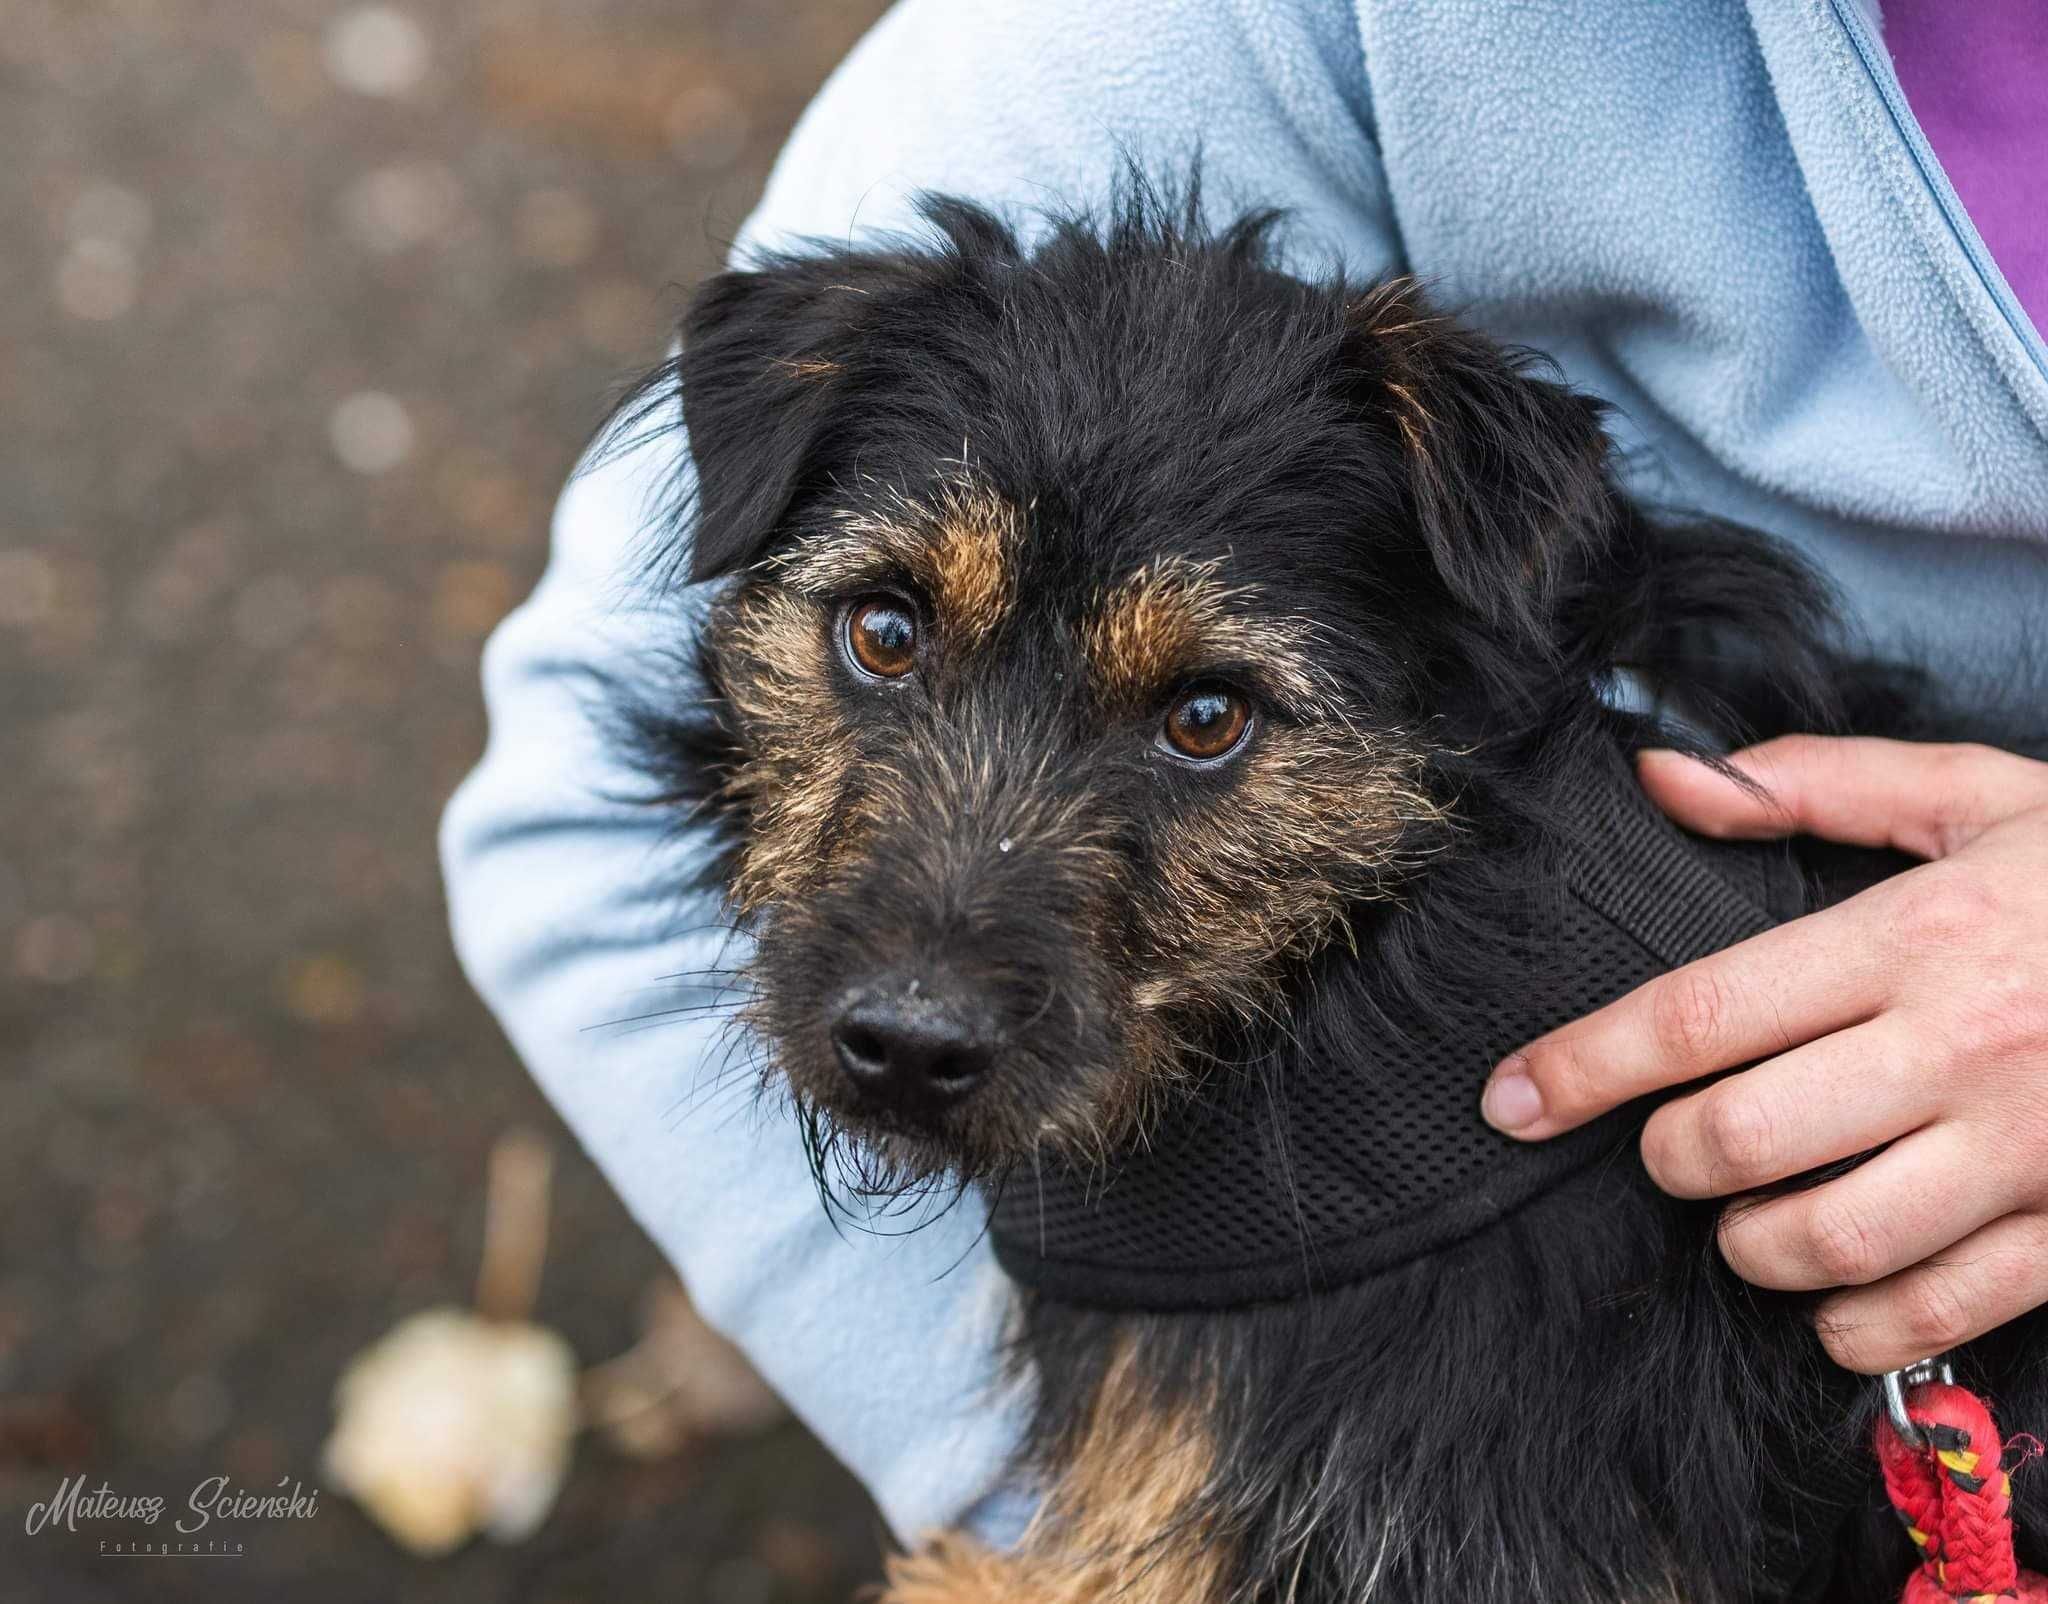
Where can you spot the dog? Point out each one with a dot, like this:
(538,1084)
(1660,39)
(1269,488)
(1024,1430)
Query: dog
(1140,670)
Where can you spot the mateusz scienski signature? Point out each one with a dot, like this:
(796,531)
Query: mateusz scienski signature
(76,1504)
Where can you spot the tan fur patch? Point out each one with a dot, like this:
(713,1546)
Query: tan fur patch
(770,645)
(970,566)
(1319,817)
(953,1568)
(1172,619)
(959,547)
(1120,1524)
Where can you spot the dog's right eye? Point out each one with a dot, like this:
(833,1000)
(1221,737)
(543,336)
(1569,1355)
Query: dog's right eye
(881,637)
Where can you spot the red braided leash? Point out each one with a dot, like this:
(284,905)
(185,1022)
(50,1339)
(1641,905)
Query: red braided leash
(1954,1492)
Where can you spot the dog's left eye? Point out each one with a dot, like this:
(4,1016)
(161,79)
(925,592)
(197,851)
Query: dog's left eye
(881,637)
(1207,723)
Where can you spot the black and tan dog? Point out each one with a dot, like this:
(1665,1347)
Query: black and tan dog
(1142,669)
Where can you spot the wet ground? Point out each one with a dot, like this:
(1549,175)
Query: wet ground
(304,311)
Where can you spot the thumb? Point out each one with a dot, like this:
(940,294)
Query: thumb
(1921,799)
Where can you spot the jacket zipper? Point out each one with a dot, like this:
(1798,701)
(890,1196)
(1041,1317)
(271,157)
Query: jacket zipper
(1878,65)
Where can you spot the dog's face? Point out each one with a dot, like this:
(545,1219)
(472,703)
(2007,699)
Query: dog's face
(1087,609)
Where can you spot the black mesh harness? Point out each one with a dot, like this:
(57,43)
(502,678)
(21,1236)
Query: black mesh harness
(1250,1193)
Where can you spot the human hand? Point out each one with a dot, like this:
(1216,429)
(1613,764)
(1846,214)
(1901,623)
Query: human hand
(1914,1014)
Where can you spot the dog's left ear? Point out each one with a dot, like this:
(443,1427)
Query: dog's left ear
(1510,488)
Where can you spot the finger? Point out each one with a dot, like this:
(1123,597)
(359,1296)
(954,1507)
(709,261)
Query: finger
(1993,1275)
(1916,797)
(1760,997)
(1916,1198)
(1831,1099)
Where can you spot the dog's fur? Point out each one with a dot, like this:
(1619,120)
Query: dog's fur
(1140,456)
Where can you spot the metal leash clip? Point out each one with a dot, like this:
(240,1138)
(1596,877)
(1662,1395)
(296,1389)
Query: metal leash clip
(1916,1374)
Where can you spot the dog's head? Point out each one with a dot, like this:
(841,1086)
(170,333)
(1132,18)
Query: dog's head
(1089,610)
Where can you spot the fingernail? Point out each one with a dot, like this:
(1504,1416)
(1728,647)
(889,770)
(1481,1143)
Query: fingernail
(1511,1101)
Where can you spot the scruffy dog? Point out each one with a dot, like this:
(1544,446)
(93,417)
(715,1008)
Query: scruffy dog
(1153,694)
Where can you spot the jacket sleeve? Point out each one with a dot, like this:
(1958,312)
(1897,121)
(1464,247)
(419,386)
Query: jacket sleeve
(564,900)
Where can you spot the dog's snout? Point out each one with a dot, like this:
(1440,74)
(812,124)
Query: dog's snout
(913,1048)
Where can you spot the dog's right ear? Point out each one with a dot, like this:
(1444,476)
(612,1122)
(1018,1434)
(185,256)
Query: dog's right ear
(775,361)
(764,375)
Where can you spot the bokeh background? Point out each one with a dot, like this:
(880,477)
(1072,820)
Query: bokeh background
(305,308)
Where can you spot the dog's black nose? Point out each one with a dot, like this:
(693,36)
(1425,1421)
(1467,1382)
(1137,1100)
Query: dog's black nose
(913,1049)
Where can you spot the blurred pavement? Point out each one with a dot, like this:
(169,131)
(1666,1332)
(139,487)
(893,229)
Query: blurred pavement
(305,309)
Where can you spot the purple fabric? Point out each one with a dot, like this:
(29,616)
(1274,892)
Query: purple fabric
(1976,74)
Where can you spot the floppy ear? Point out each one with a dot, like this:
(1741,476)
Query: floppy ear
(1508,471)
(775,362)
(764,375)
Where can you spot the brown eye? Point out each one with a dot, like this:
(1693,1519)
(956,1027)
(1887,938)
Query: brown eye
(881,637)
(1207,723)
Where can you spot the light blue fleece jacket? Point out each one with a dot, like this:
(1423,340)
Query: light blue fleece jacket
(1722,219)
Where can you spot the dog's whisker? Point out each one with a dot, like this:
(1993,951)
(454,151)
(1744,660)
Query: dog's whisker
(662,1016)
